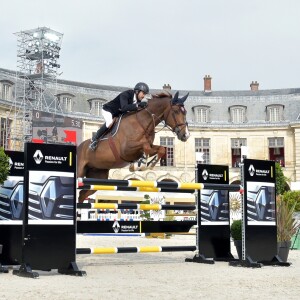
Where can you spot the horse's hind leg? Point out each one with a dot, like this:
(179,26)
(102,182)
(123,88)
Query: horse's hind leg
(139,165)
(92,173)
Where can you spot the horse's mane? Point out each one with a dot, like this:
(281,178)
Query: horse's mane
(162,94)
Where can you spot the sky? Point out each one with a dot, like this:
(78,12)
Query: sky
(176,42)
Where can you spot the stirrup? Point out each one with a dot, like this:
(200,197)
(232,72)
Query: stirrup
(93,145)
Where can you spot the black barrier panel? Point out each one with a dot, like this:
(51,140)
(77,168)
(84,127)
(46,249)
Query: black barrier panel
(49,231)
(11,239)
(11,205)
(133,226)
(213,213)
(260,210)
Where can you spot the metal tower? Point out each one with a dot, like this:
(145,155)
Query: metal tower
(36,78)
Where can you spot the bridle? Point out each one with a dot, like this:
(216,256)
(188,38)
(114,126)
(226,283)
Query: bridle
(178,126)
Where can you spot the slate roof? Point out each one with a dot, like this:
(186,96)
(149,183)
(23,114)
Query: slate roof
(218,102)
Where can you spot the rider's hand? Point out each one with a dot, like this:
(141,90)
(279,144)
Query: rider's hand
(142,104)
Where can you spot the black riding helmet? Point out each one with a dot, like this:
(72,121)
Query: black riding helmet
(141,86)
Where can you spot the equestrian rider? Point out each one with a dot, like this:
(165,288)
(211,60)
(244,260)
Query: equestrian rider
(129,100)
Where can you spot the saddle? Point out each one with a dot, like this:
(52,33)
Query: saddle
(113,128)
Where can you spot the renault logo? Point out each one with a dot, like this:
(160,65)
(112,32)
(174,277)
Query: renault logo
(38,156)
(116,227)
(204,174)
(10,163)
(251,170)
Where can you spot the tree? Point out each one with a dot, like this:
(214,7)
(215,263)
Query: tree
(280,180)
(4,166)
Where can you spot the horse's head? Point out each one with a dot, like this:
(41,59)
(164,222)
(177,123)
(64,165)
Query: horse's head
(176,118)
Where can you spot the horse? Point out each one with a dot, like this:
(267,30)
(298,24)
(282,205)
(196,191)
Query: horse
(133,139)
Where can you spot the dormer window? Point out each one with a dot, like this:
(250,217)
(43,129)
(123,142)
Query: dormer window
(201,114)
(96,106)
(274,113)
(6,89)
(66,102)
(237,114)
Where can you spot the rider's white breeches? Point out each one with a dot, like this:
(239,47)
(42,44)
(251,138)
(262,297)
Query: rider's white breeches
(107,117)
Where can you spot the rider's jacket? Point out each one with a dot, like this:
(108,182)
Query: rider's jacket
(122,103)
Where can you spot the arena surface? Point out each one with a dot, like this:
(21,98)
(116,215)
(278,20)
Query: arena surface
(155,276)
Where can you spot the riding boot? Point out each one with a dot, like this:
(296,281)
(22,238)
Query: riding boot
(99,133)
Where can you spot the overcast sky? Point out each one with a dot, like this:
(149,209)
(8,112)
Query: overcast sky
(121,42)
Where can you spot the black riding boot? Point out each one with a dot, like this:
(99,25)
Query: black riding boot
(99,133)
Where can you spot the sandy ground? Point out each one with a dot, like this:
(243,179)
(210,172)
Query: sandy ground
(155,276)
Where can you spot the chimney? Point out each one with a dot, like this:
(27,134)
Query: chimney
(167,87)
(254,86)
(207,84)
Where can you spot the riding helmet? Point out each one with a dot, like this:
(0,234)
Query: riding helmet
(141,86)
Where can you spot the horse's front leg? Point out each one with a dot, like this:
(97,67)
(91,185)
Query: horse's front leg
(158,152)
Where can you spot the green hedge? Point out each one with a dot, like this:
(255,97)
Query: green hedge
(292,198)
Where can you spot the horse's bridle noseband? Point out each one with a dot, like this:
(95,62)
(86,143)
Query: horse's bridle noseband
(177,128)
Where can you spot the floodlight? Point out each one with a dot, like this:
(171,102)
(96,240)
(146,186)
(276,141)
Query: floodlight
(51,37)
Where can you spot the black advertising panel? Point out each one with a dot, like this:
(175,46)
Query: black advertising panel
(260,209)
(214,203)
(16,163)
(49,206)
(213,213)
(11,206)
(133,226)
(11,191)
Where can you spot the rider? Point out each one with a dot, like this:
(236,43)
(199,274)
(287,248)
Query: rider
(129,100)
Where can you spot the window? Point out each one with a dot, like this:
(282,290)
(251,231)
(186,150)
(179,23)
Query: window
(276,150)
(168,158)
(237,114)
(275,113)
(201,114)
(6,89)
(236,151)
(33,91)
(4,138)
(66,102)
(3,132)
(203,146)
(96,106)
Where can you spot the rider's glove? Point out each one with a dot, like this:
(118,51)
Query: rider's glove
(142,104)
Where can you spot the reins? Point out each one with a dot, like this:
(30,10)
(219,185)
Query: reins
(161,119)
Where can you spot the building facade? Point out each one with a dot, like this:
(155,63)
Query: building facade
(220,122)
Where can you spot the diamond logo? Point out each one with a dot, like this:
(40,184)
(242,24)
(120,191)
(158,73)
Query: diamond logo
(251,170)
(38,157)
(11,163)
(116,226)
(205,174)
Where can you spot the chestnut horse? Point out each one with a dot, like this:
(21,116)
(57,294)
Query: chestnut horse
(134,137)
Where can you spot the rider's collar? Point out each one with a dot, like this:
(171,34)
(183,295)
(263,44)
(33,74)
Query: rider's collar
(134,98)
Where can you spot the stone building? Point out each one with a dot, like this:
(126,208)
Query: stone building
(220,122)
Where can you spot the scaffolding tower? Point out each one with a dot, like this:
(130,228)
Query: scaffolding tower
(36,80)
